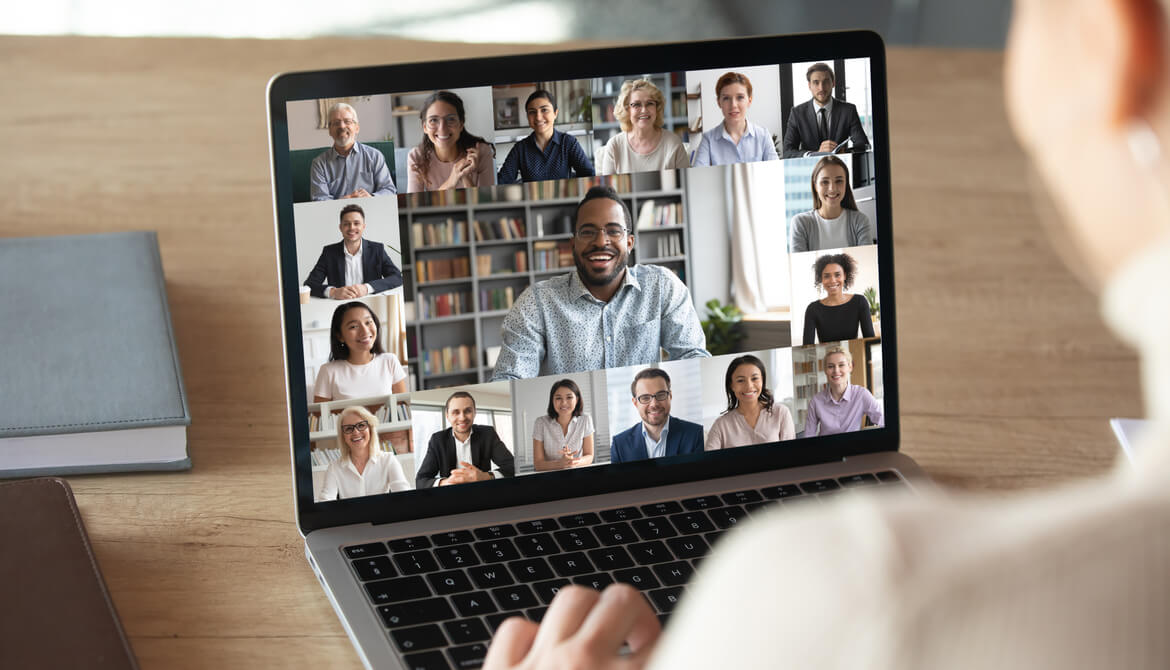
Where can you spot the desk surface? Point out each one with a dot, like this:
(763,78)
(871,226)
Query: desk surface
(1008,375)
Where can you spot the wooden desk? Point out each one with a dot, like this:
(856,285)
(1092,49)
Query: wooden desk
(1008,375)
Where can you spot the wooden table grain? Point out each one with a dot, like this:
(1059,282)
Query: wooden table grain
(1008,375)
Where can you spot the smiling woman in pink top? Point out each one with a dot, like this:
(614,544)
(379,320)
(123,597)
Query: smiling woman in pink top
(752,416)
(448,156)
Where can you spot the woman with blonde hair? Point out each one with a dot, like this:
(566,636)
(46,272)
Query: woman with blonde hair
(363,469)
(643,145)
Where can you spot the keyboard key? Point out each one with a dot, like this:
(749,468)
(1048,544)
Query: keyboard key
(366,550)
(726,517)
(639,578)
(494,620)
(702,502)
(490,576)
(660,508)
(452,537)
(495,532)
(576,539)
(646,553)
(674,574)
(469,656)
(742,497)
(691,546)
(615,533)
(666,599)
(416,612)
(778,492)
(496,550)
(415,562)
(571,564)
(446,583)
(887,476)
(513,597)
(530,570)
(537,526)
(377,567)
(540,544)
(597,581)
(397,590)
(418,638)
(409,544)
(621,514)
(692,522)
(428,660)
(548,590)
(653,529)
(473,604)
(611,558)
(579,520)
(466,630)
(819,486)
(535,614)
(863,479)
(456,556)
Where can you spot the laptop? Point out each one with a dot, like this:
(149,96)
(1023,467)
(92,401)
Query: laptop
(571,317)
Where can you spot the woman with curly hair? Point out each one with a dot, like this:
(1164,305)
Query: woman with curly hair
(838,315)
(448,156)
(643,145)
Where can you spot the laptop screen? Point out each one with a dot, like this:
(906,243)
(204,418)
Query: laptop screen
(505,276)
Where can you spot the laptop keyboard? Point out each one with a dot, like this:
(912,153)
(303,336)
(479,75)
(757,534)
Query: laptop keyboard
(441,596)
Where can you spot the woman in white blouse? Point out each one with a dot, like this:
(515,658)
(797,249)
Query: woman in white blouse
(363,469)
(357,367)
(563,436)
(643,145)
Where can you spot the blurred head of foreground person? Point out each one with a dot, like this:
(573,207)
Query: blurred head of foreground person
(1071,578)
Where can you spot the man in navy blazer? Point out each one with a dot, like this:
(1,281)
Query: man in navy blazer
(464,452)
(658,434)
(804,136)
(354,267)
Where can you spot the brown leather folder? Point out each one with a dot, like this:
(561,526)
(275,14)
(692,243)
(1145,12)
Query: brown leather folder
(55,611)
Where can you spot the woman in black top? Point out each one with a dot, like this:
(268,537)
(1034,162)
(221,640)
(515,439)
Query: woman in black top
(838,314)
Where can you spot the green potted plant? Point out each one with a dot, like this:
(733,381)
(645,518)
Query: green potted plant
(722,327)
(875,309)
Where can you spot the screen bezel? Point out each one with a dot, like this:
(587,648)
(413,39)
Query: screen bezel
(682,56)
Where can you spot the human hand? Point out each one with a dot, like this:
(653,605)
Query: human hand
(357,290)
(341,293)
(460,169)
(828,145)
(472,473)
(582,629)
(357,193)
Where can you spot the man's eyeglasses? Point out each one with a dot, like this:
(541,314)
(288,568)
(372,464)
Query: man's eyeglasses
(360,426)
(590,233)
(342,122)
(645,398)
(639,106)
(451,120)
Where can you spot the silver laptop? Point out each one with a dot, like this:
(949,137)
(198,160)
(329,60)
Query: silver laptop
(571,317)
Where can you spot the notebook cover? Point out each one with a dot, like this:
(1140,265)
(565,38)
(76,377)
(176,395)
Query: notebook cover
(89,344)
(56,610)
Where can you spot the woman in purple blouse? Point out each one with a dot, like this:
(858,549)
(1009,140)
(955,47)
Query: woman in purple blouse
(839,408)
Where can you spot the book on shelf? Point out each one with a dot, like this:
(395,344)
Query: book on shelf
(669,245)
(443,268)
(445,198)
(452,303)
(504,228)
(438,233)
(550,255)
(449,359)
(658,215)
(101,390)
(495,298)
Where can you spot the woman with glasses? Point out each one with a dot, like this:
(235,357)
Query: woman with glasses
(752,416)
(563,436)
(736,140)
(357,367)
(448,155)
(363,469)
(643,145)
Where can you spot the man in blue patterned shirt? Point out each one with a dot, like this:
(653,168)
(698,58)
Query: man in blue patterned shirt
(605,314)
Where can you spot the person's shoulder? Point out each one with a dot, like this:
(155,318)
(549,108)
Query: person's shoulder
(804,218)
(554,284)
(859,299)
(671,140)
(652,272)
(807,104)
(684,425)
(628,434)
(480,429)
(323,156)
(780,409)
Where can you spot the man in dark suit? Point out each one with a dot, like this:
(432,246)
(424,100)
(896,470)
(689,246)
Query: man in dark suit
(819,125)
(658,434)
(354,267)
(464,452)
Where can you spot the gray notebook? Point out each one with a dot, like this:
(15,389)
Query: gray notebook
(91,379)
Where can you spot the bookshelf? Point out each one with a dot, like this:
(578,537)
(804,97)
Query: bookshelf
(605,94)
(323,425)
(472,252)
(808,371)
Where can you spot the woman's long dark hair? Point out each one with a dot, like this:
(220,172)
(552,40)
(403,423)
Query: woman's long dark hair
(426,148)
(565,384)
(847,201)
(338,351)
(765,394)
